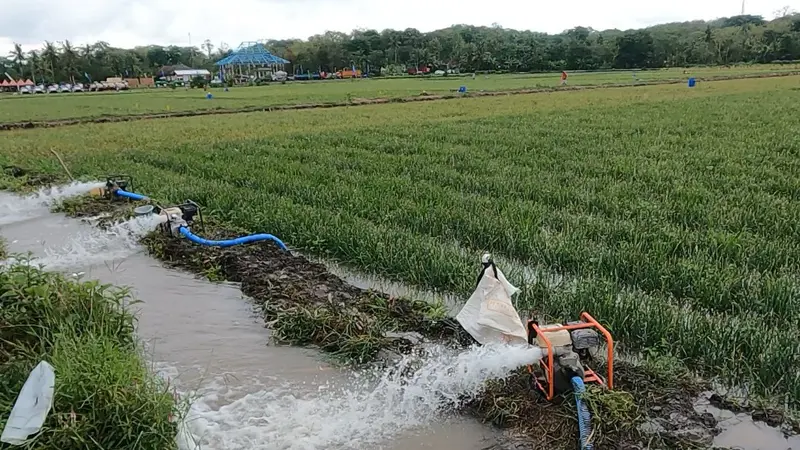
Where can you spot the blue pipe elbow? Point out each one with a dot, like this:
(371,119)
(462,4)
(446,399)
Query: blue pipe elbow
(231,242)
(131,195)
(584,417)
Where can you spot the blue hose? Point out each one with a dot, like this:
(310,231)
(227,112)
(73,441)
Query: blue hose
(584,417)
(131,195)
(231,242)
(198,240)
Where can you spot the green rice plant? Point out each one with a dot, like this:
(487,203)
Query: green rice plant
(672,212)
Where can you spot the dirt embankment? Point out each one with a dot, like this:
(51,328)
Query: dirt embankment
(360,101)
(304,304)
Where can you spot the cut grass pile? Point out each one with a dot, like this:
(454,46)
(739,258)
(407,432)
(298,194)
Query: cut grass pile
(105,396)
(83,105)
(671,212)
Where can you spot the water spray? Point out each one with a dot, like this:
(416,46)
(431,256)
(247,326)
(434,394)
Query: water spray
(16,208)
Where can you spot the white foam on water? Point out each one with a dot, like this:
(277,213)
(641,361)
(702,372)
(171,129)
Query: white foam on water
(17,208)
(96,246)
(368,410)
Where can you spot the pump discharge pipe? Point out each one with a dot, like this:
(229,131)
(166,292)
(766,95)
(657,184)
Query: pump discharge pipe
(130,195)
(184,230)
(177,221)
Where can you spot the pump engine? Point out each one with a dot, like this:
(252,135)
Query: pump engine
(182,215)
(114,183)
(567,352)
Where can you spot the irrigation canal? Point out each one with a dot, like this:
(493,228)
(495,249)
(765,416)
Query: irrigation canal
(246,394)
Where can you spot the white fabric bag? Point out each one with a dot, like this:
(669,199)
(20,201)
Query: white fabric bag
(32,405)
(489,315)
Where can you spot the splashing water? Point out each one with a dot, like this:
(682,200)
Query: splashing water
(96,246)
(412,395)
(16,208)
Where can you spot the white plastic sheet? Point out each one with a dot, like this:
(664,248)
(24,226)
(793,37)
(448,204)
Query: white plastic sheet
(32,405)
(489,315)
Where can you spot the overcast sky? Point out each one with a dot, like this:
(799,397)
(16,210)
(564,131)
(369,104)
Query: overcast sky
(127,23)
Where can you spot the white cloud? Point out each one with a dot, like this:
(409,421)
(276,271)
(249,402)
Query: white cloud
(126,23)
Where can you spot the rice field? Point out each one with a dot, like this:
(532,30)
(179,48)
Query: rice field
(671,214)
(16,108)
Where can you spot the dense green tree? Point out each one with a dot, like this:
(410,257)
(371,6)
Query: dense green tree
(738,39)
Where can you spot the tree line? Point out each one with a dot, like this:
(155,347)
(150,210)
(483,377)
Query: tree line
(738,39)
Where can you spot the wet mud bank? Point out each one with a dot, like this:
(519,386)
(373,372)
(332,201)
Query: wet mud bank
(652,406)
(361,101)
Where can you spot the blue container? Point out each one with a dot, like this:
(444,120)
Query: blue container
(462,89)
(209,96)
(692,82)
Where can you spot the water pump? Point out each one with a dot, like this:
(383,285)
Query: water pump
(114,184)
(568,351)
(182,215)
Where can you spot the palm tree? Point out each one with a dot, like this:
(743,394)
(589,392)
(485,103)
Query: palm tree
(50,59)
(395,41)
(34,63)
(87,58)
(18,57)
(70,60)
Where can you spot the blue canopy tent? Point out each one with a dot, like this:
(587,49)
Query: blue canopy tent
(250,60)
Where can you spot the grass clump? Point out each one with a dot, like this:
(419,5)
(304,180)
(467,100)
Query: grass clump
(344,332)
(105,396)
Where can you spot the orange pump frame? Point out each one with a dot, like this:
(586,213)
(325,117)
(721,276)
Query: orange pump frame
(547,364)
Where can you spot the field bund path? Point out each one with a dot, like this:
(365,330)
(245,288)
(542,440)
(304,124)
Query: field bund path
(365,101)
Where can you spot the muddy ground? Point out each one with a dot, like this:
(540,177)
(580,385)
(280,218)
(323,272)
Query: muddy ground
(306,305)
(359,102)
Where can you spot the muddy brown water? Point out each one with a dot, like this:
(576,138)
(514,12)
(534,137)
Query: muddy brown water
(741,432)
(209,341)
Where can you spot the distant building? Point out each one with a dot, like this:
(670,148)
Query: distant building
(168,72)
(252,60)
(188,74)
